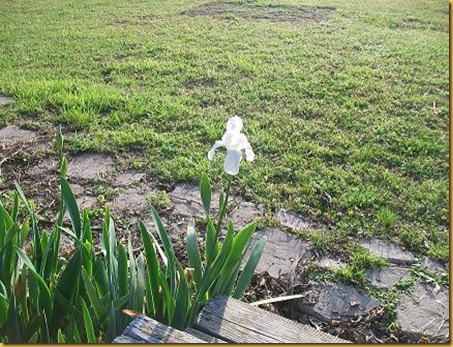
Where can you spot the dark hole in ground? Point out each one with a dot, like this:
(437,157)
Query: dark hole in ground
(271,13)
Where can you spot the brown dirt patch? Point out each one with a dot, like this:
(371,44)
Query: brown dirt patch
(271,13)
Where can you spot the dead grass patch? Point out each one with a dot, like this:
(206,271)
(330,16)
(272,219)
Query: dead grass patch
(271,13)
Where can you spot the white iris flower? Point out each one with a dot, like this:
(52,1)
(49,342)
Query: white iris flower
(234,141)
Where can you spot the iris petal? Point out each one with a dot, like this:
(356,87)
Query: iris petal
(249,155)
(216,145)
(234,124)
(232,160)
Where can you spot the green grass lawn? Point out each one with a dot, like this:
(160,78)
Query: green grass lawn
(348,116)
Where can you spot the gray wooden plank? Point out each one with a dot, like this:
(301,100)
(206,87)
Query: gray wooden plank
(203,336)
(146,330)
(126,339)
(239,322)
(229,331)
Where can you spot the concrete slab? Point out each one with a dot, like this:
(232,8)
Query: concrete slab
(245,213)
(425,312)
(393,253)
(386,278)
(281,253)
(336,302)
(89,166)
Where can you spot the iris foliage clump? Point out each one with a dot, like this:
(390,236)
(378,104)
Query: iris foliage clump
(47,298)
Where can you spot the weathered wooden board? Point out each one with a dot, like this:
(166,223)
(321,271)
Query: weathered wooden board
(239,322)
(126,339)
(203,336)
(230,331)
(146,330)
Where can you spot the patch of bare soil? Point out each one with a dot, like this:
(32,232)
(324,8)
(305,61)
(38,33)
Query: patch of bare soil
(271,13)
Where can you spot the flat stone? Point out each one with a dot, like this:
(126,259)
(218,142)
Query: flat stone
(45,166)
(90,166)
(5,100)
(336,302)
(186,200)
(329,263)
(434,267)
(84,200)
(245,213)
(293,220)
(133,201)
(128,178)
(424,312)
(386,278)
(281,254)
(393,253)
(12,135)
(77,189)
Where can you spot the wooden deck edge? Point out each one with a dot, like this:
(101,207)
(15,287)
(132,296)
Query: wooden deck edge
(239,322)
(146,330)
(203,336)
(227,320)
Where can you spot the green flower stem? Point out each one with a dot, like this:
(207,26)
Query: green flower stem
(224,205)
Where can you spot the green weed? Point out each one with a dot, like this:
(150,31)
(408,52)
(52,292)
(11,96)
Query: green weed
(386,218)
(360,261)
(160,199)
